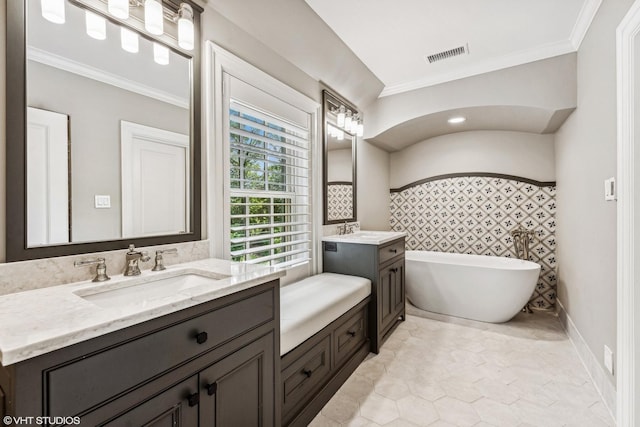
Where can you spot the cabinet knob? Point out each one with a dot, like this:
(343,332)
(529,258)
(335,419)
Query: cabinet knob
(211,388)
(307,372)
(193,399)
(352,333)
(202,337)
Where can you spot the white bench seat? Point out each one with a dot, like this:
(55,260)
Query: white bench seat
(307,306)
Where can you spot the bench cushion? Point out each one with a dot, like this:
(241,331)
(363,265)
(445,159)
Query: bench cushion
(311,304)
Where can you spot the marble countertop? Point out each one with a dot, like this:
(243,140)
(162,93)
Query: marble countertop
(42,320)
(366,237)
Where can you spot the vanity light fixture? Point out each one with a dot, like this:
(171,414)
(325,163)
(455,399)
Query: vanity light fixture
(340,135)
(129,40)
(360,131)
(53,11)
(119,8)
(96,26)
(160,54)
(456,120)
(153,17)
(186,30)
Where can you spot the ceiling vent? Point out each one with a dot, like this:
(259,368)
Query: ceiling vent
(462,50)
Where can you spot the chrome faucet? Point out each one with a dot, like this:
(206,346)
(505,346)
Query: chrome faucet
(159,266)
(345,228)
(101,268)
(521,239)
(133,256)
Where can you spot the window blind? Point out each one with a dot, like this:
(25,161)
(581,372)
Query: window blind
(270,221)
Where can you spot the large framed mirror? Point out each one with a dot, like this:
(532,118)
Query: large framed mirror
(339,159)
(103,128)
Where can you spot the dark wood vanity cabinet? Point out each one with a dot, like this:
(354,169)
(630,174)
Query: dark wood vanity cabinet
(382,264)
(215,364)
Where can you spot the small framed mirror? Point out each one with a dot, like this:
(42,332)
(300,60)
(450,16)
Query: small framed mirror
(339,136)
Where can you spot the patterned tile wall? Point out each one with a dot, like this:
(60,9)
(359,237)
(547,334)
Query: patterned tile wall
(475,214)
(339,201)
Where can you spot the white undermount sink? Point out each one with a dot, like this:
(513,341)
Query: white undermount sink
(367,237)
(147,293)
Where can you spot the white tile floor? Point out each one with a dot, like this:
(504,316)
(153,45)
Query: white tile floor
(442,371)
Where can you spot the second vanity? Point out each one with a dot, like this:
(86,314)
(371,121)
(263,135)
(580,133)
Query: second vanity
(379,257)
(131,352)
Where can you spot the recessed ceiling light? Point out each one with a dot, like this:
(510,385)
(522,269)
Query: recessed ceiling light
(456,120)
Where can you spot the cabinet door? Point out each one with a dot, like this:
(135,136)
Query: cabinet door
(386,297)
(398,288)
(174,407)
(239,390)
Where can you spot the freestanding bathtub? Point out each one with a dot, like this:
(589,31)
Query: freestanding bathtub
(486,288)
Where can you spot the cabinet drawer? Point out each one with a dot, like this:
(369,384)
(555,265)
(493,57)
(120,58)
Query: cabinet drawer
(349,336)
(385,253)
(304,376)
(83,384)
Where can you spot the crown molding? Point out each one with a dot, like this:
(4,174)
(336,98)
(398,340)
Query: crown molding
(585,18)
(84,70)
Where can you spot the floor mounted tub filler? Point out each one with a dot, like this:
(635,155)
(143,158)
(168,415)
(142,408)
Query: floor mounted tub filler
(486,288)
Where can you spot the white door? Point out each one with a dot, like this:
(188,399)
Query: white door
(155,181)
(47,178)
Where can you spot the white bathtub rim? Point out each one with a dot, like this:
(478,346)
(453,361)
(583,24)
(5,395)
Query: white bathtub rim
(505,263)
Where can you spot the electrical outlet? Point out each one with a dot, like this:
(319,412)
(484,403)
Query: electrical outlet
(102,201)
(608,359)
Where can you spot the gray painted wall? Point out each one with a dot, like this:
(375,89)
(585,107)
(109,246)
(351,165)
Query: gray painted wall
(373,187)
(585,157)
(512,153)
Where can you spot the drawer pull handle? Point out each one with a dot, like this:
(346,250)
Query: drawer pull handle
(395,251)
(212,389)
(193,399)
(352,333)
(307,372)
(393,270)
(202,337)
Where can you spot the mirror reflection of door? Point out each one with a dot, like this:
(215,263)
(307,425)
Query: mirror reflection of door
(47,177)
(155,181)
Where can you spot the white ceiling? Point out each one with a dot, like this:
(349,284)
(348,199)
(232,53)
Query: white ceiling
(392,37)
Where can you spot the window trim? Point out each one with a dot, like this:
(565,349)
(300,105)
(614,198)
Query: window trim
(220,65)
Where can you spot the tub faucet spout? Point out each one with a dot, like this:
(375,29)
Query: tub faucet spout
(521,238)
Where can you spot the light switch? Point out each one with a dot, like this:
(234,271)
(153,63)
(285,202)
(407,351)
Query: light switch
(103,201)
(610,189)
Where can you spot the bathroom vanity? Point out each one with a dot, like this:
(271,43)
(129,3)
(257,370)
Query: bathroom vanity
(207,354)
(379,257)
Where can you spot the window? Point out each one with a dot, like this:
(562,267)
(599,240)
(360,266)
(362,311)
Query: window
(269,187)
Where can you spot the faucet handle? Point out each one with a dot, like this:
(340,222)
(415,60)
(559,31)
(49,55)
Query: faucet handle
(101,269)
(132,248)
(160,260)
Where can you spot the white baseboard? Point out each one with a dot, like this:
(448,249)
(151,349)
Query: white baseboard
(598,375)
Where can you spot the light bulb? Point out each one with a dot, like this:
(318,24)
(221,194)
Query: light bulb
(153,17)
(128,40)
(354,125)
(341,116)
(347,120)
(53,11)
(360,131)
(186,31)
(96,26)
(160,54)
(340,135)
(119,8)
